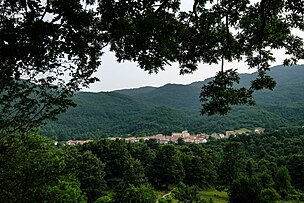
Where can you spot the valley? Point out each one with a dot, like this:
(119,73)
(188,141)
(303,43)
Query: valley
(148,110)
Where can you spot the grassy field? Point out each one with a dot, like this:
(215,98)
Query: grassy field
(243,131)
(216,196)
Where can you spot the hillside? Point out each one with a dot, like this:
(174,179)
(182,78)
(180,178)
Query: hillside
(182,97)
(113,114)
(135,91)
(175,107)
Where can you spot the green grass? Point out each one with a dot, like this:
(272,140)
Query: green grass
(215,195)
(243,131)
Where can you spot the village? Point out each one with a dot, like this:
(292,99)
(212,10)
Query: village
(184,136)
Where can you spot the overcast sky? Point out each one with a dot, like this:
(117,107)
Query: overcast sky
(114,75)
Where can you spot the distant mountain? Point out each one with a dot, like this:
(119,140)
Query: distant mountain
(182,97)
(174,107)
(136,91)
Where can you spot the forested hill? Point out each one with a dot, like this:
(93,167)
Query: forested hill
(175,107)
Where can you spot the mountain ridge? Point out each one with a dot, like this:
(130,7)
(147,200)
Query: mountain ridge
(174,107)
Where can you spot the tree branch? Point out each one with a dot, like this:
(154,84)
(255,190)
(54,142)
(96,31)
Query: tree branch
(263,19)
(45,10)
(25,6)
(226,45)
(161,6)
(195,13)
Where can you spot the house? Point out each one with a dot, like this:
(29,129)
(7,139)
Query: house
(230,133)
(184,133)
(259,130)
(177,134)
(132,139)
(74,142)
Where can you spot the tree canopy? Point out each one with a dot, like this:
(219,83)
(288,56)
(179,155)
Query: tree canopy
(257,168)
(50,48)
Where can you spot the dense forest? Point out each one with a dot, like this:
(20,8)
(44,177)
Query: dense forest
(174,107)
(252,168)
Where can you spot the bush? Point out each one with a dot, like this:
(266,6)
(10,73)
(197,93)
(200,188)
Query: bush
(269,195)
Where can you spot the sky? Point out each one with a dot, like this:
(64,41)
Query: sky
(127,75)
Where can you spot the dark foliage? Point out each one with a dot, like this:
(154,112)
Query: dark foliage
(34,169)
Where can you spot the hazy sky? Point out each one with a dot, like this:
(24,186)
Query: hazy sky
(114,75)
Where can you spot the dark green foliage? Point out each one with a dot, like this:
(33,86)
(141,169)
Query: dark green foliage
(105,199)
(33,169)
(245,190)
(144,152)
(141,194)
(269,195)
(219,95)
(199,166)
(266,179)
(183,97)
(134,173)
(233,163)
(66,190)
(166,199)
(256,28)
(282,182)
(167,167)
(115,156)
(89,170)
(116,115)
(184,193)
(135,91)
(296,170)
(41,42)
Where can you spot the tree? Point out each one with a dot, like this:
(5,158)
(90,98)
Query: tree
(50,49)
(198,166)
(295,167)
(282,182)
(66,190)
(266,180)
(168,198)
(117,159)
(269,195)
(143,153)
(141,194)
(184,193)
(167,167)
(32,169)
(233,163)
(105,199)
(245,190)
(134,173)
(88,169)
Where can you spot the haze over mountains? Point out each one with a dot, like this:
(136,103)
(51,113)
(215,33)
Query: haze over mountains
(174,107)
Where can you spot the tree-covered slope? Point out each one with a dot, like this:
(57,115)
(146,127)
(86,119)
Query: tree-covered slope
(113,114)
(289,89)
(183,97)
(135,91)
(176,107)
